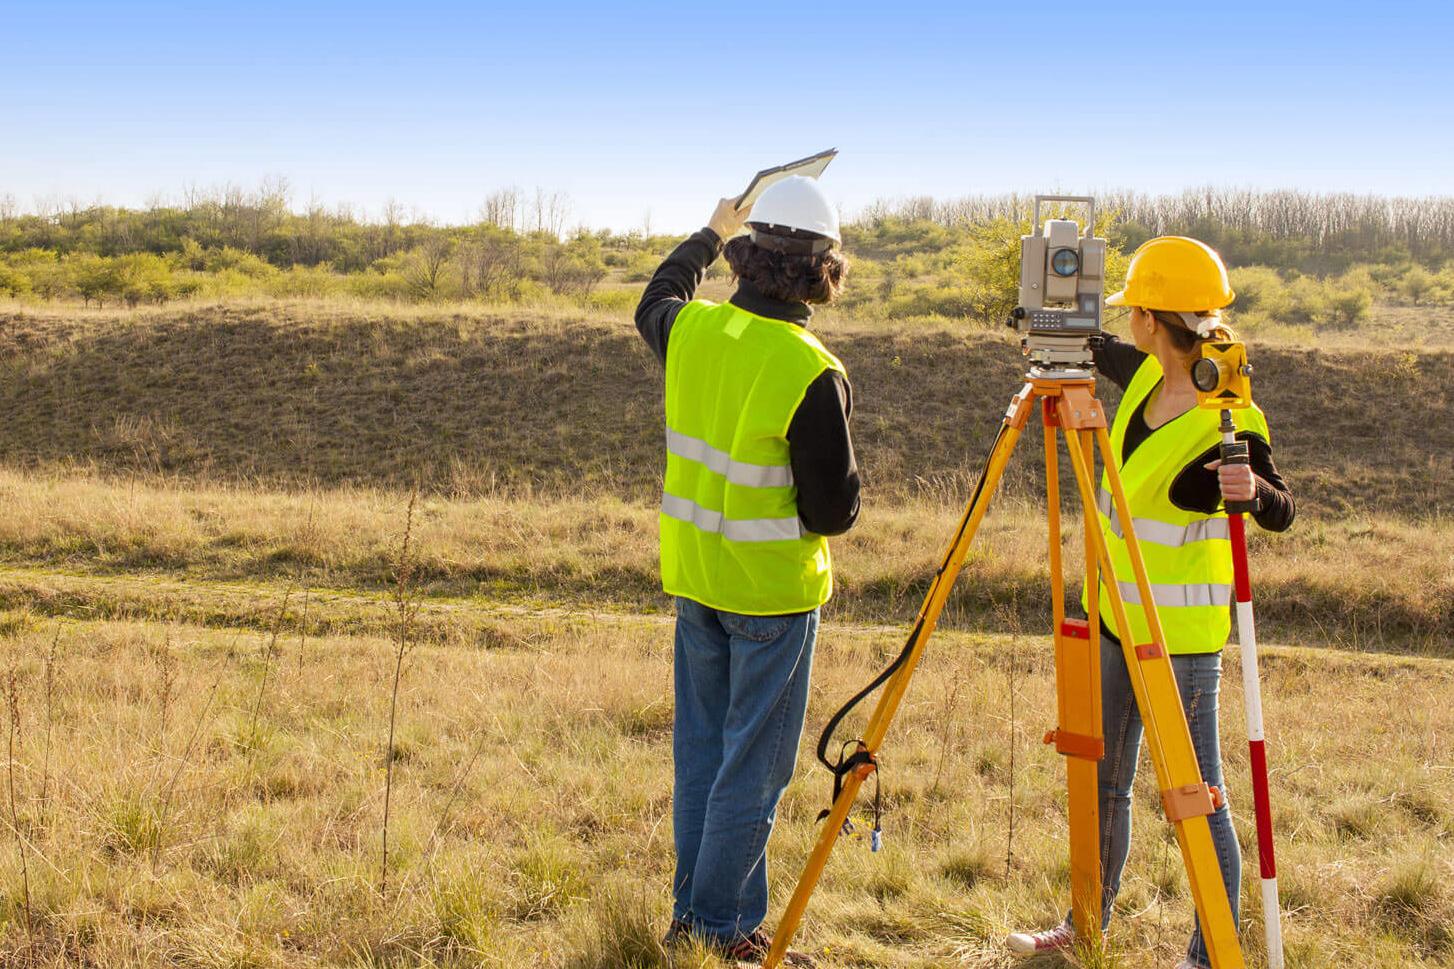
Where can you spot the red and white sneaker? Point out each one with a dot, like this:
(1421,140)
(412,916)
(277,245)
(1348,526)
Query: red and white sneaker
(752,949)
(1051,940)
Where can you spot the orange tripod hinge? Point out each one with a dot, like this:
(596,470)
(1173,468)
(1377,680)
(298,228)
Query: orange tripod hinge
(1191,801)
(1079,409)
(1077,744)
(1075,629)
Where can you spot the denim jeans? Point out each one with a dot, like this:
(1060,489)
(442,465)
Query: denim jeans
(741,697)
(1198,679)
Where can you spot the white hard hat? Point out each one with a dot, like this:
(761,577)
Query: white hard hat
(796,202)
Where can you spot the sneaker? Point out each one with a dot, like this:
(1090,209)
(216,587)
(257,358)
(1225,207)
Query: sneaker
(754,948)
(1188,964)
(676,934)
(1051,940)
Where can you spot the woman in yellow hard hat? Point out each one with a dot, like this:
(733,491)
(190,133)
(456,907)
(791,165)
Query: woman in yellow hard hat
(1166,448)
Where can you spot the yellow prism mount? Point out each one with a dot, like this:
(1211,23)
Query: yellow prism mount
(1222,376)
(1066,403)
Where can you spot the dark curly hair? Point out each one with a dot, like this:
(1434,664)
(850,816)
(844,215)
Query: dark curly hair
(789,277)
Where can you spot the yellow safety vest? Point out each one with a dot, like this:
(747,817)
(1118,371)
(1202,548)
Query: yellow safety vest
(731,538)
(1188,554)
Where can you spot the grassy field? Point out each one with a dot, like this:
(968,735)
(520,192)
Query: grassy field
(199,632)
(96,546)
(188,795)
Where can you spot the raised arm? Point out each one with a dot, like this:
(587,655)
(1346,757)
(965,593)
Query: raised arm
(676,280)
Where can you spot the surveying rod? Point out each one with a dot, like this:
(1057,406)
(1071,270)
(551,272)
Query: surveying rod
(1236,452)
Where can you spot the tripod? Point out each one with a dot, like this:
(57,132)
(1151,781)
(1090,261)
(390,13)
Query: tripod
(1068,403)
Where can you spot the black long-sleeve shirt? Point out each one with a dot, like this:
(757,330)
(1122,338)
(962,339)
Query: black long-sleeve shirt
(1195,487)
(819,445)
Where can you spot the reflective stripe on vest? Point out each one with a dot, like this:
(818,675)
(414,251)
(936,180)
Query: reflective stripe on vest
(732,529)
(737,472)
(1203,594)
(1164,533)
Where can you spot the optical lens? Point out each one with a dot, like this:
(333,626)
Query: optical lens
(1206,375)
(1065,262)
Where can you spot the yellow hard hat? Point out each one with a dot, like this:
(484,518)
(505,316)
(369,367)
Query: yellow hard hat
(1177,274)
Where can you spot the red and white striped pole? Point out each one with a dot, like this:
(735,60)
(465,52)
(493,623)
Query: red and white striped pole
(1234,451)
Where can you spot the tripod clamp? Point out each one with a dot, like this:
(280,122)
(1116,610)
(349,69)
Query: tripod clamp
(861,763)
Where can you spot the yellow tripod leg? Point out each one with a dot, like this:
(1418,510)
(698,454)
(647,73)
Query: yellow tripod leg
(1185,798)
(1078,732)
(893,692)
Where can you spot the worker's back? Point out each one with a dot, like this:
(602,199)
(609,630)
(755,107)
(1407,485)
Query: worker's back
(730,534)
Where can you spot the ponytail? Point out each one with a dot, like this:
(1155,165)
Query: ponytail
(1190,330)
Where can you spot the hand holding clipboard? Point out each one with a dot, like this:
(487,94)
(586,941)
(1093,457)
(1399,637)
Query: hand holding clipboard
(810,167)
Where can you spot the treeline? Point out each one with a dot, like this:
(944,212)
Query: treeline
(1318,233)
(908,266)
(1301,259)
(1290,230)
(234,243)
(262,223)
(482,263)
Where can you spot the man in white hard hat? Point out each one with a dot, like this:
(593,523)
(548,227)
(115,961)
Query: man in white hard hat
(759,470)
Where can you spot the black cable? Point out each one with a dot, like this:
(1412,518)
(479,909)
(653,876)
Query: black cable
(844,763)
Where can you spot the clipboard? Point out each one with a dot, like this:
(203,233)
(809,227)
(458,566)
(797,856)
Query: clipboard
(810,167)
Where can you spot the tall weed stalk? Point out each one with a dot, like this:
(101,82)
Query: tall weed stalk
(12,703)
(406,609)
(166,805)
(268,656)
(50,707)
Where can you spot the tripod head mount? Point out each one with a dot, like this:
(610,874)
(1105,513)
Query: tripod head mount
(1040,372)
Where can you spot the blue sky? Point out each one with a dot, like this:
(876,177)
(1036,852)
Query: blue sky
(660,107)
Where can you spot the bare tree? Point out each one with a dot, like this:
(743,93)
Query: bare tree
(428,262)
(502,209)
(548,212)
(573,267)
(491,263)
(393,216)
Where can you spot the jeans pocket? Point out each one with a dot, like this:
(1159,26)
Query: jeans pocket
(759,629)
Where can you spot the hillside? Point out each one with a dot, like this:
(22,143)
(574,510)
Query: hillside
(473,401)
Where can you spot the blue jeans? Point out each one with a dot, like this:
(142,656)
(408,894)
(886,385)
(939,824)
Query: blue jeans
(1198,679)
(741,697)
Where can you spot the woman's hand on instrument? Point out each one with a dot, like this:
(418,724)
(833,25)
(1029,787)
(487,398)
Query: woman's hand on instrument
(728,219)
(1237,481)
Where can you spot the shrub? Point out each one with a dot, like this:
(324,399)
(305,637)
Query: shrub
(613,300)
(309,281)
(1260,290)
(13,281)
(639,266)
(1417,285)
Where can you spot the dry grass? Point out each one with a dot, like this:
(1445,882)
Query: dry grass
(88,546)
(188,793)
(531,804)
